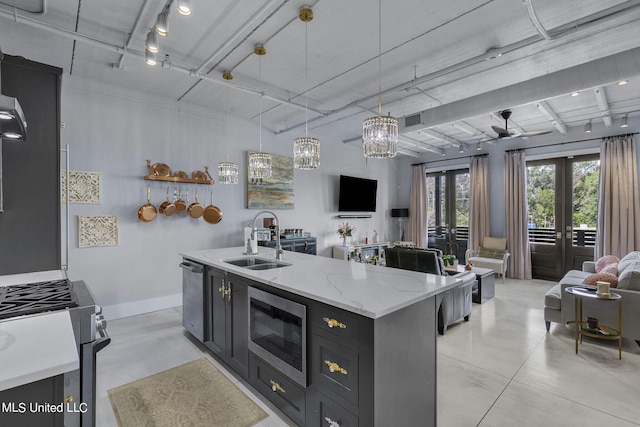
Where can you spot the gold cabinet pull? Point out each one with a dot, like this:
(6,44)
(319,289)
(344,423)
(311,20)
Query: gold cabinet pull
(68,399)
(331,423)
(222,289)
(277,387)
(334,323)
(229,292)
(334,367)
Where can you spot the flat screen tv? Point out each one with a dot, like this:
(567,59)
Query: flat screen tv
(357,194)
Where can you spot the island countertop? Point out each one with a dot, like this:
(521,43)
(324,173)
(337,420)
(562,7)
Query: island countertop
(369,290)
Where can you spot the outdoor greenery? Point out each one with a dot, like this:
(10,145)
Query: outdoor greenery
(541,190)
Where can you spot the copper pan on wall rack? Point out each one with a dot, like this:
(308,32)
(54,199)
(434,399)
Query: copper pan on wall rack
(212,214)
(195,209)
(167,208)
(147,212)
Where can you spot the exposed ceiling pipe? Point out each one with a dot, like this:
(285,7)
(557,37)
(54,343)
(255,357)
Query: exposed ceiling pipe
(236,34)
(534,19)
(492,53)
(133,31)
(40,13)
(63,32)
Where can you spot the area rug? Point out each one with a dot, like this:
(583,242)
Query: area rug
(194,394)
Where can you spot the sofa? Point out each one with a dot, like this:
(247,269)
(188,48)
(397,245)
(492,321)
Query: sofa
(559,305)
(456,303)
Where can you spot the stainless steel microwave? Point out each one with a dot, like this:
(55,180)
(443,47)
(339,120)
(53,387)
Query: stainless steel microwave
(278,333)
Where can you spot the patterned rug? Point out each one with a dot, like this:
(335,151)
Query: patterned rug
(194,394)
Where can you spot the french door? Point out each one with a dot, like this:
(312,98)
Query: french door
(563,206)
(448,211)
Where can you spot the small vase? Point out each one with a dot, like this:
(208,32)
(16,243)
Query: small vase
(344,240)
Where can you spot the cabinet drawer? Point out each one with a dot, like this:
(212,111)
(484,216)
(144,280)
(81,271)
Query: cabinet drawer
(327,413)
(335,368)
(280,390)
(335,323)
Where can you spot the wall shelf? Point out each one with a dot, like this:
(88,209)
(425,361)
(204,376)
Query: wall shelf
(162,172)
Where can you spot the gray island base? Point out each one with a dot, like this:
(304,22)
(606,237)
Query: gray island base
(370,335)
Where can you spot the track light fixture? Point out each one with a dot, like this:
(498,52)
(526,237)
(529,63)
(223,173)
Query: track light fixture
(479,146)
(442,152)
(461,149)
(622,82)
(624,123)
(150,57)
(587,127)
(184,7)
(162,23)
(574,94)
(152,42)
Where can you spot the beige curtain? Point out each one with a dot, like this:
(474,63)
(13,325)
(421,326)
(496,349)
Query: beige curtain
(418,207)
(479,224)
(515,194)
(618,208)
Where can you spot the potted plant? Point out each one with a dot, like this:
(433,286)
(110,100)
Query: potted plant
(450,261)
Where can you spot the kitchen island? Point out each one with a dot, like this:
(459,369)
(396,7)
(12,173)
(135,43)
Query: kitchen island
(370,336)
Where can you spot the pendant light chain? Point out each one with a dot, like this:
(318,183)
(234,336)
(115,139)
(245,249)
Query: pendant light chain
(228,171)
(260,163)
(380,133)
(306,149)
(260,100)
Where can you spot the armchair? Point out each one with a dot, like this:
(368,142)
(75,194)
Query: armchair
(492,254)
(454,304)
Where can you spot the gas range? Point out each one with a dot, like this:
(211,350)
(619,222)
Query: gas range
(20,300)
(36,293)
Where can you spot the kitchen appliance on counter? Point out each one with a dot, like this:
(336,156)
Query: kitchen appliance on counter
(90,333)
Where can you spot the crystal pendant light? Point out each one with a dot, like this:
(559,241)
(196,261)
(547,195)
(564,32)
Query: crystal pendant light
(306,149)
(380,133)
(259,163)
(227,171)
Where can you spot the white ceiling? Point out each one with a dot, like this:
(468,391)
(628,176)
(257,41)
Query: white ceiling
(435,60)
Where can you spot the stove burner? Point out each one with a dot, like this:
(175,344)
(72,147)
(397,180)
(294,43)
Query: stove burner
(19,300)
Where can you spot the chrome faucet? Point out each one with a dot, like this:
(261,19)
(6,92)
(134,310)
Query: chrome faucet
(279,250)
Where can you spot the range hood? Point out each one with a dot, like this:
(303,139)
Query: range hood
(12,123)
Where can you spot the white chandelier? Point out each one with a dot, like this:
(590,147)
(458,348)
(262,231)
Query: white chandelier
(380,133)
(227,171)
(306,149)
(260,163)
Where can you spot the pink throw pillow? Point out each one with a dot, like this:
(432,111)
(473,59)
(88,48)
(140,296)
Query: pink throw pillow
(601,277)
(604,261)
(611,269)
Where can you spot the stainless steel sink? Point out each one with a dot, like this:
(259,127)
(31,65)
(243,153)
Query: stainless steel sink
(267,266)
(255,263)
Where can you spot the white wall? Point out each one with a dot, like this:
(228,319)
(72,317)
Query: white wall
(114,132)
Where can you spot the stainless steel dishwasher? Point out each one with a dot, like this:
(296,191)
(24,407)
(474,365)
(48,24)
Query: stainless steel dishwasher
(193,298)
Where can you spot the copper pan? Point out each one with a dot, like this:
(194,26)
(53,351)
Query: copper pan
(181,205)
(195,209)
(147,212)
(167,208)
(212,214)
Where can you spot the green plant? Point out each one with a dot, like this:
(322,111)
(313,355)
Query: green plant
(449,260)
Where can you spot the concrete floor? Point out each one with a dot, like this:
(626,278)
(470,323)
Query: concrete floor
(499,369)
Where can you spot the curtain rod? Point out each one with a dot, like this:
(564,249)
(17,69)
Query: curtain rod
(451,158)
(570,142)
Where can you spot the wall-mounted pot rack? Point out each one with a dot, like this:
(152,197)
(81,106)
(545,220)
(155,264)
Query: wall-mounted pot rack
(162,172)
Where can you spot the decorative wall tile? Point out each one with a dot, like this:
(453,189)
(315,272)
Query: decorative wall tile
(97,230)
(86,187)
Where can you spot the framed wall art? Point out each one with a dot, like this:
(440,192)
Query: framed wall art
(275,192)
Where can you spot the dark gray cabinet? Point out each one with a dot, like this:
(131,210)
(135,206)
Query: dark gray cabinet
(227,318)
(307,245)
(359,371)
(30,237)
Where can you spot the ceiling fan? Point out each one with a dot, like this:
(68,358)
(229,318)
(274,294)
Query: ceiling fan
(503,133)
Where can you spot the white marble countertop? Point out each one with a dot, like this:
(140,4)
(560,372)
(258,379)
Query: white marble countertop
(370,290)
(36,347)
